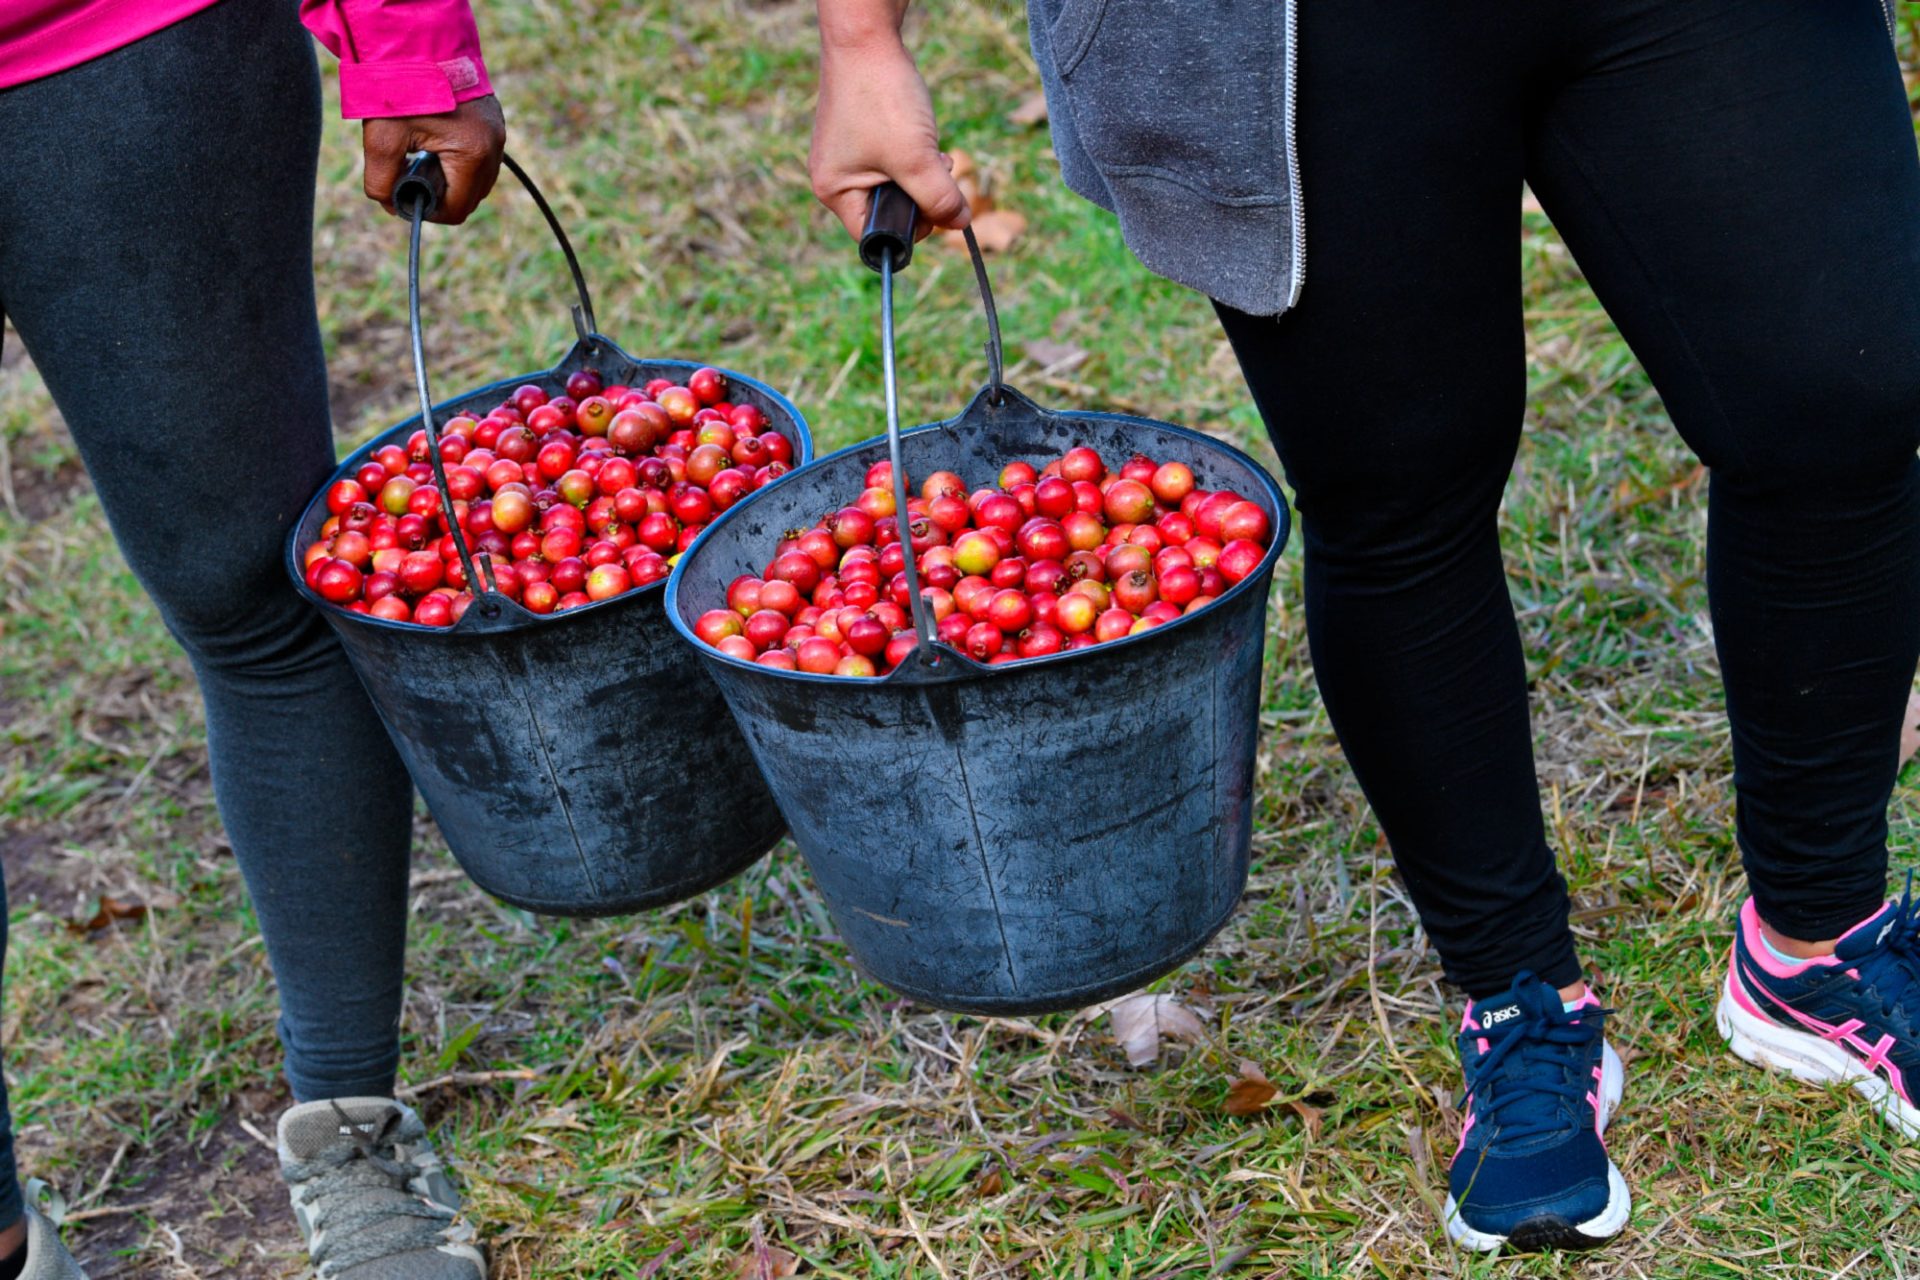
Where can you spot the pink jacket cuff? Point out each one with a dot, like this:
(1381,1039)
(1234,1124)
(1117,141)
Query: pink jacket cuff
(378,89)
(400,57)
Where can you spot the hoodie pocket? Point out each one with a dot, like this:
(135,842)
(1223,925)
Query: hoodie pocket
(1190,91)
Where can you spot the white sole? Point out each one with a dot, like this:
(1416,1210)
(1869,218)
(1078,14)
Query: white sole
(1603,1226)
(1805,1056)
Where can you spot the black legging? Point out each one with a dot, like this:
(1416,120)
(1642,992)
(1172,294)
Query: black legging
(1739,183)
(156,254)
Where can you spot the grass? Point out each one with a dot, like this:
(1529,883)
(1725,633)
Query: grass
(709,1090)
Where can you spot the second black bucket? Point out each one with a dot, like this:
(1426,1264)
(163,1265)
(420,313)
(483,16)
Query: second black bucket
(1020,838)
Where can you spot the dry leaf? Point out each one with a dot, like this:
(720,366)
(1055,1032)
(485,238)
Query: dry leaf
(962,163)
(1031,111)
(991,1185)
(996,229)
(978,201)
(766,1262)
(1417,1147)
(1251,1092)
(111,909)
(1055,357)
(1310,1117)
(1140,1021)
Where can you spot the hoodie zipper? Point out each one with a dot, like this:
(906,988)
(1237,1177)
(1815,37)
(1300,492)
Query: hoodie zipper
(1299,263)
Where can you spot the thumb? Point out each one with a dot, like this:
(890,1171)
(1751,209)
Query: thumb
(938,195)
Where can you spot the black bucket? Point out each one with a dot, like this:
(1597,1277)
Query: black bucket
(1030,836)
(578,763)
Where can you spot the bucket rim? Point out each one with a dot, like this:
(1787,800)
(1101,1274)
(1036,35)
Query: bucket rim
(510,614)
(962,666)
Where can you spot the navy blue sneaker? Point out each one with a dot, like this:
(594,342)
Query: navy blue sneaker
(1532,1171)
(1851,1018)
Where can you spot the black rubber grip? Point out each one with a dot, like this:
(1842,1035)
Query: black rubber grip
(424,181)
(891,218)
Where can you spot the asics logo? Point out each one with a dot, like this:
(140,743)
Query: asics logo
(1500,1015)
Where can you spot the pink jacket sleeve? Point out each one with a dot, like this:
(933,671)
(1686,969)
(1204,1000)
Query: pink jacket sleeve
(400,57)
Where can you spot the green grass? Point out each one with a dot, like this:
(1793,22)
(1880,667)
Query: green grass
(672,1094)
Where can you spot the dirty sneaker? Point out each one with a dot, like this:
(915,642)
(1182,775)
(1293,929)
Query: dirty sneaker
(1852,1017)
(47,1257)
(1532,1170)
(372,1198)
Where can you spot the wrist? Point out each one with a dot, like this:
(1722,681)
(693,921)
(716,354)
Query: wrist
(861,29)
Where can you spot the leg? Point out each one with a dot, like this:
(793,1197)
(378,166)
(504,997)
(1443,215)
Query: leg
(167,297)
(1394,394)
(1740,184)
(12,1208)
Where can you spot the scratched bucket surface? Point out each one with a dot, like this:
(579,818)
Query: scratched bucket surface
(1020,838)
(580,763)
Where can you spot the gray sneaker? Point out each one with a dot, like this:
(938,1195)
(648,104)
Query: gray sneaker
(47,1258)
(372,1198)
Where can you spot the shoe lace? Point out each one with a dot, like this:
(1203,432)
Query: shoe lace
(1534,1073)
(361,1194)
(1891,970)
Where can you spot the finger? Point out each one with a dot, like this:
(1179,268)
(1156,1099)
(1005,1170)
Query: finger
(385,144)
(851,208)
(933,189)
(469,178)
(474,141)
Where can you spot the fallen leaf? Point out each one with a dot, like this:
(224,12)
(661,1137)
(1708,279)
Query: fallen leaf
(996,229)
(1055,357)
(766,1262)
(1310,1117)
(1031,111)
(1251,1092)
(962,163)
(111,909)
(1417,1147)
(991,1185)
(978,201)
(1140,1021)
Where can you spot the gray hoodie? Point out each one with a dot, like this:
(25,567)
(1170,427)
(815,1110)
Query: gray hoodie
(1177,115)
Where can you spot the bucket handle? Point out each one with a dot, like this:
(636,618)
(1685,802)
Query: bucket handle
(418,193)
(886,246)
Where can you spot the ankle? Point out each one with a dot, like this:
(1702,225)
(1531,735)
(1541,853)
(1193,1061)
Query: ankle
(13,1250)
(1794,949)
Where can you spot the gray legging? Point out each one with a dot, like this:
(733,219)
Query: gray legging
(156,240)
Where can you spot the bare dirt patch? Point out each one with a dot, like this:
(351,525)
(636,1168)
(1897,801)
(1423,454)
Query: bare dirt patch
(212,1207)
(38,871)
